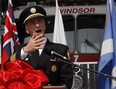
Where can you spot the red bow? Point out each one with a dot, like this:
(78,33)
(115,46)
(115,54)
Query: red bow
(20,75)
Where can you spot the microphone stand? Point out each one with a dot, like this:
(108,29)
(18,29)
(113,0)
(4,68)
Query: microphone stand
(66,60)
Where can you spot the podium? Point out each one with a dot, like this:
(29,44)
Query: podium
(53,87)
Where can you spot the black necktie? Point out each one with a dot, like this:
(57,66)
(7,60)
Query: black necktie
(34,58)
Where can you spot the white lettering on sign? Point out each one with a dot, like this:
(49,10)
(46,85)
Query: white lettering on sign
(77,10)
(75,57)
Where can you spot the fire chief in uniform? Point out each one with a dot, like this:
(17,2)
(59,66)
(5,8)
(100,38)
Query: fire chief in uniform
(59,73)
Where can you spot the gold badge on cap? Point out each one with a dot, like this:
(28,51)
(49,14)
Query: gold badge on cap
(32,10)
(53,68)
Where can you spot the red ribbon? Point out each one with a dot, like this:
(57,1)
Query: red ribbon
(20,75)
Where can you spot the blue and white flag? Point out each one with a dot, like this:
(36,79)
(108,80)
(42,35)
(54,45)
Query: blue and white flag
(107,62)
(59,33)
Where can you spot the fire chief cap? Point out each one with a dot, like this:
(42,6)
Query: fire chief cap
(31,12)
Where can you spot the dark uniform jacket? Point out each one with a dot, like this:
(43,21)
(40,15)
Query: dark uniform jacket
(59,73)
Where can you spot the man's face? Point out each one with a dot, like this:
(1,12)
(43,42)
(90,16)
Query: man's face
(35,25)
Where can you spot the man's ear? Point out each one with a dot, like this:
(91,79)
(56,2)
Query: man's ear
(27,31)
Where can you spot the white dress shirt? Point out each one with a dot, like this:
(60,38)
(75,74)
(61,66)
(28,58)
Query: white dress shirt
(24,54)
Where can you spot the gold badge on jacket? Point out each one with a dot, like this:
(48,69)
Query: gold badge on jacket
(53,68)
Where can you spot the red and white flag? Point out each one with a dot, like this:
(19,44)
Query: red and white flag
(10,35)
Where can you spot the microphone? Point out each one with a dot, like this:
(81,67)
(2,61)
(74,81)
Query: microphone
(51,52)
